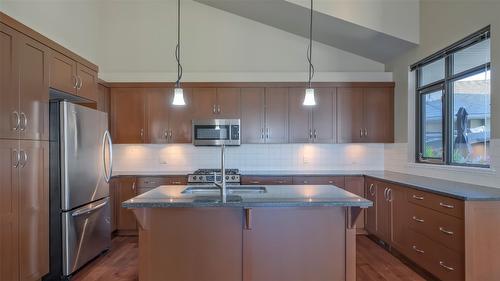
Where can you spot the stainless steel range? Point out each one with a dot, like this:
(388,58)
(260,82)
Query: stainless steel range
(204,176)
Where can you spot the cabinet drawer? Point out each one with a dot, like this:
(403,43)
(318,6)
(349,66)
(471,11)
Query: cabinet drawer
(442,262)
(152,182)
(443,204)
(176,180)
(338,181)
(266,180)
(445,229)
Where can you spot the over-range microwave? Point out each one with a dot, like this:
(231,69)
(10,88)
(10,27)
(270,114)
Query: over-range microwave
(216,132)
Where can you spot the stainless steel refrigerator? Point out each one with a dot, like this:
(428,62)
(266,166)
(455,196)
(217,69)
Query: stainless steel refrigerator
(80,170)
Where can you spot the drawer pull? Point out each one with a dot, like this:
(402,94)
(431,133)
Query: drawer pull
(445,266)
(306,182)
(254,182)
(417,219)
(418,197)
(446,205)
(176,182)
(418,250)
(330,182)
(280,182)
(445,231)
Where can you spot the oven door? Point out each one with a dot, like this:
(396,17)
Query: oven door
(216,132)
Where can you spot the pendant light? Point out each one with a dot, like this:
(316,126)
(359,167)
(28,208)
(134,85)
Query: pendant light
(309,99)
(178,92)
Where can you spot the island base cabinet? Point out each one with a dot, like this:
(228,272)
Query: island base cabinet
(295,244)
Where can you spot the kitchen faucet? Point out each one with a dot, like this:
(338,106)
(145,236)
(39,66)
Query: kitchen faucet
(222,183)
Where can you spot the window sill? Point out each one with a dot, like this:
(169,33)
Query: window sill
(477,170)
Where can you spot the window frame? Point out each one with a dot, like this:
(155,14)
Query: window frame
(446,85)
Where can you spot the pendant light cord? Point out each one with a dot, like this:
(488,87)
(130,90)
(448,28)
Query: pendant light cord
(309,48)
(178,47)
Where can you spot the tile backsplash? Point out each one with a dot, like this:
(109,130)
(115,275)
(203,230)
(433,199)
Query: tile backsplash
(186,157)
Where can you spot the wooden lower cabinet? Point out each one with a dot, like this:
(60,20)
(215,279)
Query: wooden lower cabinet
(266,180)
(24,213)
(317,180)
(356,185)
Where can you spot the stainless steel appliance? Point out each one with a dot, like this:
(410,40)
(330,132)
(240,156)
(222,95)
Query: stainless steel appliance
(216,132)
(204,176)
(80,170)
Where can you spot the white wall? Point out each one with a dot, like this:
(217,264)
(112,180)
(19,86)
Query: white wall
(159,158)
(71,23)
(399,18)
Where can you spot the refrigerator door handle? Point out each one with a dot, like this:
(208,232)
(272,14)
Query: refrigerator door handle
(89,210)
(107,138)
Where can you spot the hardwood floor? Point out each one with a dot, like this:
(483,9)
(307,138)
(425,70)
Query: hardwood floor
(120,264)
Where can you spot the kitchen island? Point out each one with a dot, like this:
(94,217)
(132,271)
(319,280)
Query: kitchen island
(279,232)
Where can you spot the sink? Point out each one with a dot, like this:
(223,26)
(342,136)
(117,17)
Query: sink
(231,189)
(216,199)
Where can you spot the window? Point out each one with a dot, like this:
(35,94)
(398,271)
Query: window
(453,104)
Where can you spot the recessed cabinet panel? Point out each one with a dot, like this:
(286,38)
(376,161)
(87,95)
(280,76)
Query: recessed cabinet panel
(378,115)
(276,105)
(9,83)
(128,115)
(228,103)
(350,115)
(180,119)
(87,87)
(300,120)
(204,103)
(157,111)
(63,73)
(252,115)
(324,116)
(125,189)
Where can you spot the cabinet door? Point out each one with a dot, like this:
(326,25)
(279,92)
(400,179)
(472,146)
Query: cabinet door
(180,119)
(278,240)
(88,83)
(276,115)
(252,115)
(103,98)
(371,212)
(63,73)
(378,108)
(300,130)
(113,202)
(204,103)
(34,89)
(356,185)
(125,190)
(399,217)
(157,111)
(9,187)
(383,212)
(228,103)
(350,115)
(324,116)
(128,115)
(9,83)
(33,210)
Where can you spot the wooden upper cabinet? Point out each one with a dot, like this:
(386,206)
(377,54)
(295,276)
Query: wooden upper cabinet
(33,90)
(300,119)
(228,103)
(324,116)
(87,88)
(103,98)
(63,73)
(204,103)
(128,115)
(9,189)
(378,109)
(252,115)
(276,108)
(349,115)
(9,83)
(158,103)
(33,210)
(180,119)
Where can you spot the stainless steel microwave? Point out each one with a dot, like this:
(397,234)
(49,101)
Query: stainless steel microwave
(216,132)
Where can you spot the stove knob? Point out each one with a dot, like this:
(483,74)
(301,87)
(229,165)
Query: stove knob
(200,177)
(194,177)
(232,177)
(227,177)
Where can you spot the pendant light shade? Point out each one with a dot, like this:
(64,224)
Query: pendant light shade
(178,97)
(309,99)
(178,92)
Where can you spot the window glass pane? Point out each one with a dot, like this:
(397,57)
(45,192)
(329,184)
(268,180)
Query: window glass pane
(432,125)
(471,57)
(471,120)
(432,72)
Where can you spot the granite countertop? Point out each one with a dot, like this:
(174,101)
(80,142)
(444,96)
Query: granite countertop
(171,196)
(305,172)
(463,191)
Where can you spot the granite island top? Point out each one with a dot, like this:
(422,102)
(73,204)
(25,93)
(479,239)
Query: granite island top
(171,196)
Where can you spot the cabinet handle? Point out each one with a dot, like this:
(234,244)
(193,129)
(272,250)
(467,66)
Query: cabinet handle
(142,133)
(280,182)
(366,132)
(23,121)
(170,134)
(361,132)
(218,108)
(213,108)
(262,133)
(18,121)
(330,182)
(310,134)
(417,219)
(389,195)
(165,134)
(133,186)
(248,219)
(445,266)
(306,182)
(255,182)
(80,85)
(176,182)
(418,197)
(446,205)
(315,134)
(385,193)
(418,250)
(268,133)
(443,230)
(23,158)
(17,157)
(370,189)
(75,82)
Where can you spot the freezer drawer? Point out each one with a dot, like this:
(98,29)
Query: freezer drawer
(86,234)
